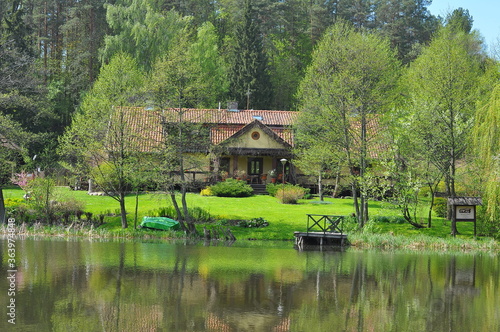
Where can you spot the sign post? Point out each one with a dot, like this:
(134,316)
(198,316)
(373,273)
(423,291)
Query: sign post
(463,210)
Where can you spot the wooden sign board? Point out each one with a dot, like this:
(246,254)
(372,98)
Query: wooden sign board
(465,212)
(464,209)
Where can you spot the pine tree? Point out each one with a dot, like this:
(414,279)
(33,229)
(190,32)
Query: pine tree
(248,75)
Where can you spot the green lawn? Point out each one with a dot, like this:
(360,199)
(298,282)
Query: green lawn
(283,219)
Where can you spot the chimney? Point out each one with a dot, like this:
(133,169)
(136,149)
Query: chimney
(232,106)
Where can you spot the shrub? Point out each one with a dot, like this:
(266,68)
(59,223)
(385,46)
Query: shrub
(13,202)
(440,207)
(389,219)
(232,188)
(206,192)
(198,214)
(167,211)
(65,210)
(424,192)
(273,188)
(41,192)
(15,207)
(254,223)
(290,194)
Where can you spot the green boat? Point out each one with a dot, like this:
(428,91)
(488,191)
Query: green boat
(160,223)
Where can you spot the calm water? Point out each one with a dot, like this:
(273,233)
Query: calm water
(79,285)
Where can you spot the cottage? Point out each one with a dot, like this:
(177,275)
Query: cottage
(242,143)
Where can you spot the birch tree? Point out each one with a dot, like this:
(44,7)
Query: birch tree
(443,85)
(350,82)
(99,143)
(173,88)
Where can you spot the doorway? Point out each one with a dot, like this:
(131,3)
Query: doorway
(254,170)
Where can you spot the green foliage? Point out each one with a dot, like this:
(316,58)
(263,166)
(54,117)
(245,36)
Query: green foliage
(353,75)
(255,223)
(142,30)
(440,207)
(48,68)
(105,176)
(13,202)
(389,219)
(232,188)
(12,139)
(211,81)
(248,76)
(107,145)
(442,84)
(424,192)
(407,23)
(274,188)
(206,192)
(460,20)
(283,219)
(41,193)
(199,215)
(290,194)
(192,74)
(485,144)
(64,211)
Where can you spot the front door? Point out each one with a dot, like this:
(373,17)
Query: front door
(255,169)
(255,166)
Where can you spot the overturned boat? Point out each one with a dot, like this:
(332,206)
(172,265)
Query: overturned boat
(160,223)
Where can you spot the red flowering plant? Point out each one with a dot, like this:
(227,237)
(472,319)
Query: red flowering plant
(22,180)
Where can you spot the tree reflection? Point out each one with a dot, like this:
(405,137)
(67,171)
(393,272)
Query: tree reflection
(119,286)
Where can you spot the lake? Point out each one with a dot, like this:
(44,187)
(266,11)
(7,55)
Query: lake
(104,285)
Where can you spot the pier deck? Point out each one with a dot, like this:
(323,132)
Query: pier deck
(322,230)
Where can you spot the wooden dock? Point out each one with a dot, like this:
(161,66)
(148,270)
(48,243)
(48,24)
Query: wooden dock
(320,239)
(322,230)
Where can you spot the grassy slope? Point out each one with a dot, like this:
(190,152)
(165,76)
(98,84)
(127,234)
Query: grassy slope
(284,219)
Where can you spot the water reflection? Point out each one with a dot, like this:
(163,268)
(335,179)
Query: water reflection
(135,286)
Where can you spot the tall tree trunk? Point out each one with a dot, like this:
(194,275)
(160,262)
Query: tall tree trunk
(123,211)
(179,218)
(320,187)
(336,187)
(354,187)
(2,207)
(429,216)
(363,217)
(136,208)
(187,217)
(91,46)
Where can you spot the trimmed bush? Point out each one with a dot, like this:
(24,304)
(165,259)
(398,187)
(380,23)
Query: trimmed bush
(232,188)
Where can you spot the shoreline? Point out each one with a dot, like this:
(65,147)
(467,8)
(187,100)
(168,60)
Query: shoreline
(358,241)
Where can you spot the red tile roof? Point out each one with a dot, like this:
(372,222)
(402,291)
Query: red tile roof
(148,122)
(223,116)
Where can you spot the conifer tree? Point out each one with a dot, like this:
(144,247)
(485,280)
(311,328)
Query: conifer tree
(248,74)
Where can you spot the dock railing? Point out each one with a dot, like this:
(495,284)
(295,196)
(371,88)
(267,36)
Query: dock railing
(326,223)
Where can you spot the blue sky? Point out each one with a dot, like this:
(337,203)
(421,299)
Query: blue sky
(486,15)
